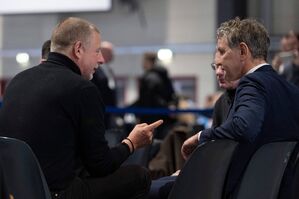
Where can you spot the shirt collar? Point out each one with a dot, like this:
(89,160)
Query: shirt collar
(256,67)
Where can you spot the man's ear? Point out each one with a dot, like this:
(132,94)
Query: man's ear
(244,50)
(78,49)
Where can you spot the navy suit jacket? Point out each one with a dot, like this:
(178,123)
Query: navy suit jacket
(265,109)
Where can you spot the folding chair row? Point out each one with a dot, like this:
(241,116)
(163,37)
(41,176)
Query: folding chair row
(205,173)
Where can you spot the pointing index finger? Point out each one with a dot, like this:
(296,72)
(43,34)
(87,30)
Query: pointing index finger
(154,124)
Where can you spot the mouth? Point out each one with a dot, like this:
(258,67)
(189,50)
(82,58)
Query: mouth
(96,67)
(221,80)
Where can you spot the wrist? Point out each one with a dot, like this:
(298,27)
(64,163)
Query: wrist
(130,144)
(198,135)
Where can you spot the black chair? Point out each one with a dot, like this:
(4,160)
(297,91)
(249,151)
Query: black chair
(263,175)
(203,175)
(21,176)
(290,182)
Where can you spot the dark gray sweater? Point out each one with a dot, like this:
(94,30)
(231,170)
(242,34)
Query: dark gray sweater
(61,116)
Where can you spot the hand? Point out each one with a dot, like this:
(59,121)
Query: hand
(276,62)
(142,134)
(189,145)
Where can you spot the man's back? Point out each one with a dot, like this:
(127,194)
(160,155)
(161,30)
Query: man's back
(266,109)
(48,116)
(279,118)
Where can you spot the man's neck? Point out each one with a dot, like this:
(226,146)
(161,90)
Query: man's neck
(253,63)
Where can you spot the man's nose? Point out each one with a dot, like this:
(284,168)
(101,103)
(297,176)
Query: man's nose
(219,70)
(101,59)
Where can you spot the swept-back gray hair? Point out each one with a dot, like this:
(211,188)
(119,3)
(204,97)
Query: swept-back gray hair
(249,31)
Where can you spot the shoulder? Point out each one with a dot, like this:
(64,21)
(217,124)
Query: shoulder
(151,75)
(263,75)
(223,100)
(28,71)
(251,86)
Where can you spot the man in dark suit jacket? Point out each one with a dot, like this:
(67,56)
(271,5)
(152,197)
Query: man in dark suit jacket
(266,107)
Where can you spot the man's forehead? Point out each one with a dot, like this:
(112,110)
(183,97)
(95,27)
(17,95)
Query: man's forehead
(221,42)
(216,57)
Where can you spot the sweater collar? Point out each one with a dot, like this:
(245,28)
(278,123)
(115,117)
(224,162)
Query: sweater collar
(63,60)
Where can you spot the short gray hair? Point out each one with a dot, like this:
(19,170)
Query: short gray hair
(70,30)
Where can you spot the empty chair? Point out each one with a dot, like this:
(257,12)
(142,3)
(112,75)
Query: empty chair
(21,174)
(263,175)
(203,175)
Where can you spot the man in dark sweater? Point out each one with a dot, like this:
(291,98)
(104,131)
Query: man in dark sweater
(60,114)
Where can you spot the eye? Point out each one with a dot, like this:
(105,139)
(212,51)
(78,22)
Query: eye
(221,51)
(98,51)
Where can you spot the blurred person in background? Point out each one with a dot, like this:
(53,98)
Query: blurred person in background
(288,44)
(58,111)
(291,70)
(45,50)
(104,79)
(155,91)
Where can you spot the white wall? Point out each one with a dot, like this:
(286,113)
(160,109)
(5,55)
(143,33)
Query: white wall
(159,23)
(193,21)
(24,33)
(284,14)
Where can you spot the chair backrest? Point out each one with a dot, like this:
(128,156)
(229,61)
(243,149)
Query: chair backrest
(290,182)
(21,173)
(204,174)
(263,175)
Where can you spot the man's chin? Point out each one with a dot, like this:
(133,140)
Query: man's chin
(88,77)
(223,86)
(231,78)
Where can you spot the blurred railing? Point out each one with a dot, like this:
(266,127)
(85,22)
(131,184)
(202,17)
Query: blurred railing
(158,111)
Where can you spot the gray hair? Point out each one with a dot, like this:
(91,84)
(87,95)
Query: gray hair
(70,30)
(249,31)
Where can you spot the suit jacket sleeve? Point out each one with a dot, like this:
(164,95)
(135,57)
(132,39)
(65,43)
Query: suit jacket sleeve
(246,117)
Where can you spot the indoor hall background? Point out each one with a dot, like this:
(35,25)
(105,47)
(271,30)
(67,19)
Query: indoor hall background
(187,27)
